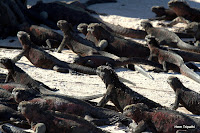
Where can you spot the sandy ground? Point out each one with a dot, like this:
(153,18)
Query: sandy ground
(128,14)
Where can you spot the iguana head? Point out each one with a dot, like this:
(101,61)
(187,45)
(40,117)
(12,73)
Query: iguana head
(6,63)
(192,27)
(107,74)
(84,61)
(23,94)
(174,82)
(146,25)
(158,10)
(151,41)
(98,30)
(64,26)
(82,27)
(135,111)
(28,109)
(24,39)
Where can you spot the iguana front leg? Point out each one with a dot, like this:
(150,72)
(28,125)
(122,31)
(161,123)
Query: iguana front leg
(8,77)
(176,103)
(164,66)
(62,45)
(150,56)
(19,56)
(141,127)
(39,128)
(197,43)
(107,96)
(51,42)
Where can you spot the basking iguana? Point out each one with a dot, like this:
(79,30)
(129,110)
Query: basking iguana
(74,42)
(185,96)
(165,57)
(52,122)
(118,93)
(182,9)
(68,105)
(160,120)
(162,13)
(116,44)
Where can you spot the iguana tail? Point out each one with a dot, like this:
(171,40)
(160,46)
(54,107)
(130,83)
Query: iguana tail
(189,73)
(85,98)
(8,128)
(187,47)
(66,68)
(135,60)
(82,69)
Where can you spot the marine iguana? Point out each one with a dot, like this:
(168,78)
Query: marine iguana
(118,93)
(97,115)
(182,9)
(166,37)
(74,42)
(39,35)
(39,58)
(55,121)
(169,57)
(162,13)
(185,96)
(160,120)
(21,77)
(116,44)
